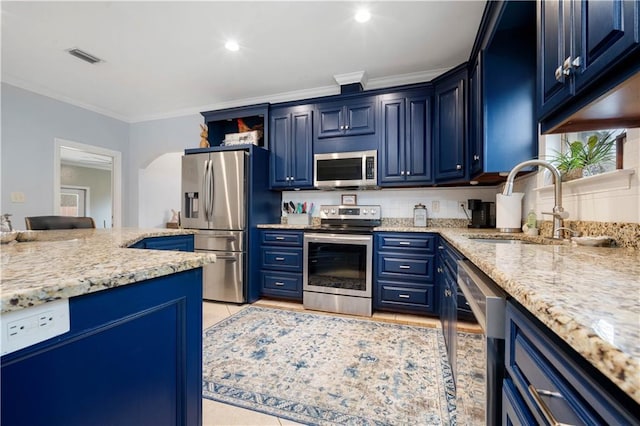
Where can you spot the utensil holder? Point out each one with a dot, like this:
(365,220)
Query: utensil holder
(298,219)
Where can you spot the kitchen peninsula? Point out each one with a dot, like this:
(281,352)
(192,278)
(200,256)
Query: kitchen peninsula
(133,350)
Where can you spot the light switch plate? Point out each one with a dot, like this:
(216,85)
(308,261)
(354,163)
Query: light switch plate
(26,327)
(17,197)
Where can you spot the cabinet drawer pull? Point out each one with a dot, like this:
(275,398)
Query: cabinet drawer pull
(404,267)
(458,167)
(404,296)
(546,412)
(566,66)
(280,238)
(405,243)
(279,259)
(440,247)
(278,283)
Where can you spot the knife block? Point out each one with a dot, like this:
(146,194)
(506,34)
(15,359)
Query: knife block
(298,219)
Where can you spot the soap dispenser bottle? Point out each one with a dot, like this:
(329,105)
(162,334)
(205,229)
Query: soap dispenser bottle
(532,219)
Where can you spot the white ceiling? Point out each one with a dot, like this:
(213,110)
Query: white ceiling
(165,59)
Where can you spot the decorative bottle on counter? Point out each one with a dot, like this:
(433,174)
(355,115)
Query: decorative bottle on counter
(420,215)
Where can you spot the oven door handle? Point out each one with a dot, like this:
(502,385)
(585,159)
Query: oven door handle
(337,238)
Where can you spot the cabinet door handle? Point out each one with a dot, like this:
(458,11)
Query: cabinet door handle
(402,173)
(458,167)
(546,412)
(577,62)
(404,296)
(558,74)
(278,283)
(346,127)
(408,172)
(404,267)
(476,157)
(405,243)
(566,66)
(440,247)
(279,238)
(279,259)
(341,127)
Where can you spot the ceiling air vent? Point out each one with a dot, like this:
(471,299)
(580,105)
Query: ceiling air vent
(87,57)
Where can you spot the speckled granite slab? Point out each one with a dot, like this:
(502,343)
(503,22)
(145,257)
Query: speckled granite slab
(64,264)
(587,295)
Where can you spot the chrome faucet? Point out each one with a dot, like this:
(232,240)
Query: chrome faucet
(558,212)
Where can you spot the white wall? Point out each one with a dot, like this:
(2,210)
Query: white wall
(399,203)
(99,183)
(582,201)
(30,123)
(148,141)
(159,190)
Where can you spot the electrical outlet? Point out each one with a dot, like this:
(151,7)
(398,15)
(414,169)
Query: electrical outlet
(17,197)
(435,206)
(29,326)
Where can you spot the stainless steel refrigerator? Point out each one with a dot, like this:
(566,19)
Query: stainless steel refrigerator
(214,201)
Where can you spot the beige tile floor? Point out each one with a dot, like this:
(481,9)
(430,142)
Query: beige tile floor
(216,413)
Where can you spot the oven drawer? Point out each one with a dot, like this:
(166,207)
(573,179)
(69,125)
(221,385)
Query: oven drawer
(412,266)
(390,294)
(289,259)
(421,243)
(281,284)
(282,238)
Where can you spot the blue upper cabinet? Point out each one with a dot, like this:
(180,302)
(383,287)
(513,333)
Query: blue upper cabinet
(449,125)
(502,119)
(291,147)
(405,140)
(346,125)
(579,43)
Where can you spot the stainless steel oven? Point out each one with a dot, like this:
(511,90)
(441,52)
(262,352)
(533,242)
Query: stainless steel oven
(338,260)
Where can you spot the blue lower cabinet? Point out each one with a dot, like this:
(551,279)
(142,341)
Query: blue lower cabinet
(514,409)
(133,356)
(398,296)
(404,277)
(281,264)
(553,380)
(173,242)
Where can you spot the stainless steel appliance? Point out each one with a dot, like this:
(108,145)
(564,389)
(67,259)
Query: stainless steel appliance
(487,302)
(214,187)
(338,260)
(346,169)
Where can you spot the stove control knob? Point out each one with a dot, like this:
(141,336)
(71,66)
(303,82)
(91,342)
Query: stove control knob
(365,211)
(325,211)
(373,211)
(333,211)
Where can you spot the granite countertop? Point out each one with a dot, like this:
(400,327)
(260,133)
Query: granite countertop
(588,296)
(64,264)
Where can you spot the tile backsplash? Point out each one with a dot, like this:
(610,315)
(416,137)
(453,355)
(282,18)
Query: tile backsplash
(399,202)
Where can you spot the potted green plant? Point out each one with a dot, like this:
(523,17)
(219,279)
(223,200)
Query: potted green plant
(585,158)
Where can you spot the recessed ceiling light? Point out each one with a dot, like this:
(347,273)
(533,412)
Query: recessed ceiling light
(363,15)
(232,45)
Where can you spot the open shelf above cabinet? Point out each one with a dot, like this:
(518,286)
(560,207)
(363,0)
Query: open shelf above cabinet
(234,120)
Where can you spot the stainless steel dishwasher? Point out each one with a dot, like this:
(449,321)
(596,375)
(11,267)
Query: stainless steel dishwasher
(487,302)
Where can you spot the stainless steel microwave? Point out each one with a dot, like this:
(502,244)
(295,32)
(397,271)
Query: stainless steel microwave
(346,169)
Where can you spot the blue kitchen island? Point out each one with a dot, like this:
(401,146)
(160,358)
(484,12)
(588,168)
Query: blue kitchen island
(133,352)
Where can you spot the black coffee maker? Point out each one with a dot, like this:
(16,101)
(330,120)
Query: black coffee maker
(483,214)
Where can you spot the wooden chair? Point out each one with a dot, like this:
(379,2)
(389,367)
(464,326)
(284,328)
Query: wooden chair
(58,222)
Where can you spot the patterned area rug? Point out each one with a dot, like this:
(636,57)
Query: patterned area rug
(321,369)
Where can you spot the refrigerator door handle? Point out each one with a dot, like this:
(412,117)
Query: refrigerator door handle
(205,190)
(211,185)
(226,257)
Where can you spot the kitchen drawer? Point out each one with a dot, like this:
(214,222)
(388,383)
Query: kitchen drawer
(282,259)
(282,285)
(514,409)
(449,256)
(282,238)
(538,365)
(415,242)
(414,267)
(399,297)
